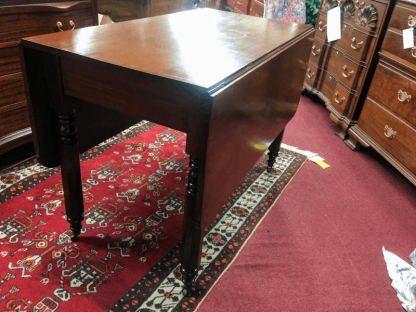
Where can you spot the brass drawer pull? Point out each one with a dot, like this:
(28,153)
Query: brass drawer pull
(411,22)
(239,2)
(389,133)
(316,53)
(414,51)
(403,97)
(320,27)
(71,23)
(310,73)
(346,75)
(340,101)
(359,5)
(355,45)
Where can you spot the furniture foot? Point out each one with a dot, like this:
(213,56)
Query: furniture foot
(188,279)
(71,173)
(192,232)
(274,151)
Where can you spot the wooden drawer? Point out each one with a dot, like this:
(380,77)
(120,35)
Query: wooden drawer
(333,58)
(12,89)
(9,58)
(393,43)
(327,84)
(32,20)
(311,74)
(400,17)
(379,7)
(321,27)
(358,45)
(393,89)
(13,118)
(379,123)
(345,40)
(340,99)
(348,72)
(317,52)
(257,9)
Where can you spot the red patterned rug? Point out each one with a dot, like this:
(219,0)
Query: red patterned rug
(127,256)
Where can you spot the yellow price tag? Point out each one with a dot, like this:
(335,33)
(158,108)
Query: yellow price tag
(322,164)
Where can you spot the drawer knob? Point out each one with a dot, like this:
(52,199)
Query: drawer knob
(317,52)
(414,51)
(403,96)
(389,133)
(355,45)
(359,5)
(345,74)
(71,24)
(411,22)
(320,27)
(340,101)
(310,73)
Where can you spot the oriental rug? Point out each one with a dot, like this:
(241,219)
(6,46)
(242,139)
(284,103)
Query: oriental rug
(127,257)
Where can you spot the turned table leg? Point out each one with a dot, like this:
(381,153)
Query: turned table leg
(274,151)
(192,232)
(71,173)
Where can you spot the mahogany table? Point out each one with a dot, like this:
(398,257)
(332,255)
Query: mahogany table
(231,82)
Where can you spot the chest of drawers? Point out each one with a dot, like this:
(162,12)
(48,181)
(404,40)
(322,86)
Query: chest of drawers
(388,118)
(339,72)
(24,18)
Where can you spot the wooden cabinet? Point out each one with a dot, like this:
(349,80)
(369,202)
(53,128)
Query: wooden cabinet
(19,19)
(342,69)
(388,118)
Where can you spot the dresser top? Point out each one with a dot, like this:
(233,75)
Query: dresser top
(201,47)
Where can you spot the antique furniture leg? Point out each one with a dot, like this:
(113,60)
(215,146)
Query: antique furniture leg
(71,174)
(192,232)
(274,151)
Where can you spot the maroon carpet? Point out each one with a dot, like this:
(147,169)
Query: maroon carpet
(320,246)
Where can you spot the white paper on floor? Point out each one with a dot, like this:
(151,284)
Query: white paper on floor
(403,278)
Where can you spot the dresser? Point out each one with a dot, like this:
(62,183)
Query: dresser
(339,72)
(25,18)
(388,118)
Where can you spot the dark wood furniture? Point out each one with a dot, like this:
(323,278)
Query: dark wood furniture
(226,105)
(24,18)
(340,72)
(388,119)
(247,7)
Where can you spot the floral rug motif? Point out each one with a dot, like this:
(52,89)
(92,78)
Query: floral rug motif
(127,257)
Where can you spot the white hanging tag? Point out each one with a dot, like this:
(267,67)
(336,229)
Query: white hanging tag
(333,29)
(408,39)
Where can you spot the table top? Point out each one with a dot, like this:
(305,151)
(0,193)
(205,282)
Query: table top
(201,47)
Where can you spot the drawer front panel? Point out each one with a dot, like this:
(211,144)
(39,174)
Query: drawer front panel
(257,9)
(345,40)
(321,28)
(390,132)
(17,26)
(332,60)
(12,90)
(395,91)
(340,99)
(317,52)
(9,60)
(347,72)
(358,45)
(311,75)
(13,118)
(393,43)
(400,17)
(327,84)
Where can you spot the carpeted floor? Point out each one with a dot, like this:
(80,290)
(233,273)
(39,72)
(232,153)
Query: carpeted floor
(320,247)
